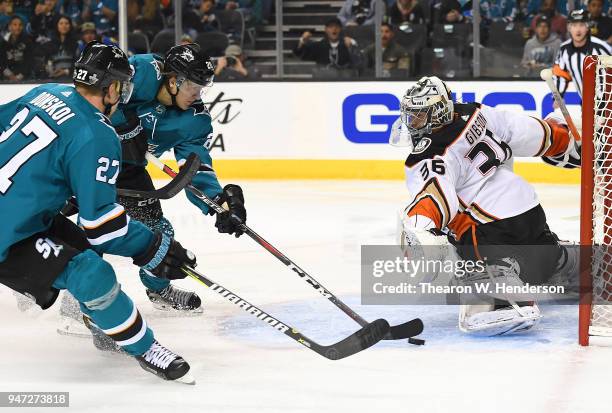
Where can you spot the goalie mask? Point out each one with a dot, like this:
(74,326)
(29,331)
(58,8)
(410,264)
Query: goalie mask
(425,106)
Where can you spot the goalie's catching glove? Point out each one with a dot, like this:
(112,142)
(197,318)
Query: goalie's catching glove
(165,257)
(232,200)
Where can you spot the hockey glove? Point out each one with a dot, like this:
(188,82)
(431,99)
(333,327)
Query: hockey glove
(232,200)
(165,257)
(571,159)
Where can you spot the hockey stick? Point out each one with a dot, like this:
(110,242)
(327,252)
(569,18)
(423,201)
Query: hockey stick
(362,339)
(547,76)
(407,330)
(176,185)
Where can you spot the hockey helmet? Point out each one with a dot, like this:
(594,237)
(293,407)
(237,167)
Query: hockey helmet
(579,16)
(425,106)
(99,65)
(187,62)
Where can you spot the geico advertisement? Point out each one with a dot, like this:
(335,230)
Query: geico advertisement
(341,120)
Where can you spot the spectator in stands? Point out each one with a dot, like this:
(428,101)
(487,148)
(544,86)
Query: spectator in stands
(357,12)
(558,22)
(41,23)
(88,34)
(394,56)
(234,65)
(104,15)
(601,25)
(60,50)
(15,52)
(333,51)
(405,11)
(541,50)
(447,12)
(6,10)
(202,19)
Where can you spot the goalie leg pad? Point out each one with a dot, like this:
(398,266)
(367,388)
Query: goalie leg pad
(483,320)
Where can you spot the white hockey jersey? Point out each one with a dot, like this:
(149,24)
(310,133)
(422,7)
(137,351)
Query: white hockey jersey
(462,175)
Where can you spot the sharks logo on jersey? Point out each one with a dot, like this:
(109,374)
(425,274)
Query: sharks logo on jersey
(200,108)
(155,65)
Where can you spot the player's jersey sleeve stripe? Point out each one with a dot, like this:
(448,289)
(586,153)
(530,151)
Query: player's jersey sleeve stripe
(110,215)
(428,207)
(110,230)
(546,139)
(431,203)
(111,225)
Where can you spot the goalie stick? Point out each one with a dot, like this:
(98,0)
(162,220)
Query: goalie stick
(362,339)
(176,185)
(547,76)
(405,330)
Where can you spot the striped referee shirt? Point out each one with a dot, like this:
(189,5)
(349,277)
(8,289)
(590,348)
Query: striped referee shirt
(568,64)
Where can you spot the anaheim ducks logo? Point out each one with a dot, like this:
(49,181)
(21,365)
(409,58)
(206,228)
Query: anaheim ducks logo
(422,145)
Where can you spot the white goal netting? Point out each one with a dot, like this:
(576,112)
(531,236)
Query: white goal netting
(601,265)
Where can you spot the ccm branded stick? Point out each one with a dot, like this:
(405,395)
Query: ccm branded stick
(362,339)
(406,330)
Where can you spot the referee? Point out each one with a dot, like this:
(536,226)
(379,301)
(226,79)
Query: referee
(568,64)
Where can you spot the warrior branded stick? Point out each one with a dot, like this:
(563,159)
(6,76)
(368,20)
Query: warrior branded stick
(547,76)
(369,334)
(402,331)
(176,185)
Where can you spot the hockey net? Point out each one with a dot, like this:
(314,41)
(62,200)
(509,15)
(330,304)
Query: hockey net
(596,201)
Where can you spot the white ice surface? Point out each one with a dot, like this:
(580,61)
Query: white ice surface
(242,365)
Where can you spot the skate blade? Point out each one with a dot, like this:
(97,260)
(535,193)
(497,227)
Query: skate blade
(74,329)
(168,311)
(186,379)
(72,333)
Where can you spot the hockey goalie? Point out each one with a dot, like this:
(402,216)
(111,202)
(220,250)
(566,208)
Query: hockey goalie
(464,192)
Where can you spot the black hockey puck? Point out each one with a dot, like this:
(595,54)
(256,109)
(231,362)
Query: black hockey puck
(416,341)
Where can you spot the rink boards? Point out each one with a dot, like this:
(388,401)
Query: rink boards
(339,130)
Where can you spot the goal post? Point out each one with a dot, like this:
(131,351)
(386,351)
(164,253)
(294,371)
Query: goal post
(595,306)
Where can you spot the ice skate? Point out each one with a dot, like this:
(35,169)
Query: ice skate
(176,300)
(165,364)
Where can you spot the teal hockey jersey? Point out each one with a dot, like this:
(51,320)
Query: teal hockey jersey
(55,145)
(184,131)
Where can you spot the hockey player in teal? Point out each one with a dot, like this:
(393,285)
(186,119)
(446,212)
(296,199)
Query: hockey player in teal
(166,112)
(58,143)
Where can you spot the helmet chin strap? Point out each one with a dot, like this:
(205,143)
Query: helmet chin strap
(173,95)
(109,106)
